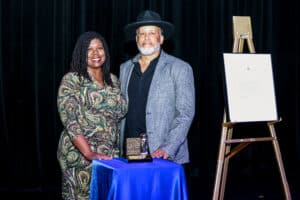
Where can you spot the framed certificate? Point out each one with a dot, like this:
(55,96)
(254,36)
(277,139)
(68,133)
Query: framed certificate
(250,93)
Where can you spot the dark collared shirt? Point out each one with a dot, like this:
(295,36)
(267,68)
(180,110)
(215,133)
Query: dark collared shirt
(138,89)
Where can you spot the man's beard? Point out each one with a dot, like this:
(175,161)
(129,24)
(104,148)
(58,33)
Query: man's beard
(149,51)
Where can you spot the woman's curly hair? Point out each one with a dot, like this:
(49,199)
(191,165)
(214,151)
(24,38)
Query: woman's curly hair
(79,56)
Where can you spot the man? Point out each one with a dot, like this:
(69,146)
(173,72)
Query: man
(159,89)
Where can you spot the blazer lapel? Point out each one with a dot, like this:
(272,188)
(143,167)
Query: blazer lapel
(157,75)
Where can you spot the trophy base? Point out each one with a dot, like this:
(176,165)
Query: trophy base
(137,158)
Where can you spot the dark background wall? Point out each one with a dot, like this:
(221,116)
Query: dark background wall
(36,42)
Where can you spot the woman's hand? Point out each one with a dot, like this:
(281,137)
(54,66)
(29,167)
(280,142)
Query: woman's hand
(82,145)
(98,156)
(101,156)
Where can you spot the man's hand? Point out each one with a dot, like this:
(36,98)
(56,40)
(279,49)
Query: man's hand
(160,153)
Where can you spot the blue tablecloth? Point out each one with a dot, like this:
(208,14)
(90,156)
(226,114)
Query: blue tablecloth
(118,180)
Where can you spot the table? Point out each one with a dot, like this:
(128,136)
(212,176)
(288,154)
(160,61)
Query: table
(118,180)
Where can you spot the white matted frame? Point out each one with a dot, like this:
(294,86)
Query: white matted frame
(250,92)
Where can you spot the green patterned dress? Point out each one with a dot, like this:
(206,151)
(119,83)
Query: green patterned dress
(88,109)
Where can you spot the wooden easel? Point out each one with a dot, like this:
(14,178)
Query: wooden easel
(242,31)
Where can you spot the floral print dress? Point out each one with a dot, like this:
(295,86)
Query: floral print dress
(95,111)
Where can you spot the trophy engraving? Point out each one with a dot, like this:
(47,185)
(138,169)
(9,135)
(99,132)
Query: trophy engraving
(133,146)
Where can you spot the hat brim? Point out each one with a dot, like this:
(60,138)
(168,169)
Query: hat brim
(167,28)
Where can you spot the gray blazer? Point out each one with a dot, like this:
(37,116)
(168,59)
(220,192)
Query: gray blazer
(170,106)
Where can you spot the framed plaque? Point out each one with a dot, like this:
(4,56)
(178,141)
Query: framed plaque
(133,146)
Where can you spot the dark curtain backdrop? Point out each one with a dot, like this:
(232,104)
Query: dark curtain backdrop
(36,43)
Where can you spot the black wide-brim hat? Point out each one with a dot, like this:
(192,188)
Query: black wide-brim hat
(149,18)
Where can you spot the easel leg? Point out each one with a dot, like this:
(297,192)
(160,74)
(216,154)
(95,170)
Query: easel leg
(280,163)
(250,45)
(220,164)
(225,165)
(235,45)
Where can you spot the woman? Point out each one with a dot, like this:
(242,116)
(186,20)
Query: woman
(90,105)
